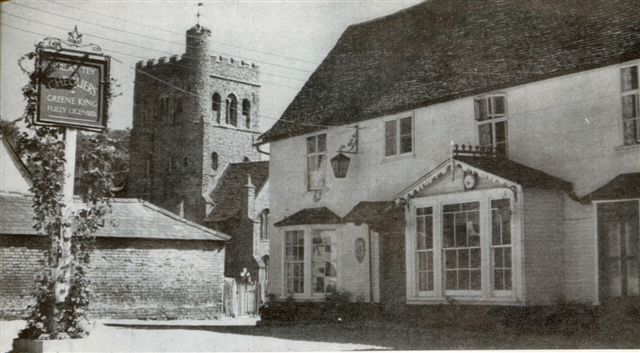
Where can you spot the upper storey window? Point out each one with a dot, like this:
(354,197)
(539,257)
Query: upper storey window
(491,118)
(398,136)
(316,161)
(215,106)
(630,105)
(231,116)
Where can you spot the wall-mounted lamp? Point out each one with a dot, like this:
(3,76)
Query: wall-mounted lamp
(340,163)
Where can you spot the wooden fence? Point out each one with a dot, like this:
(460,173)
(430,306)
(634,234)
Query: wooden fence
(241,297)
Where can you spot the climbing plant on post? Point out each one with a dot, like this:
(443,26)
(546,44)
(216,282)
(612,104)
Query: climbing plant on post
(60,80)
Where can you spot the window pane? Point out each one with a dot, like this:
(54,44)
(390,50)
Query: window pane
(449,239)
(485,135)
(507,280)
(475,280)
(311,144)
(481,109)
(390,138)
(463,259)
(405,126)
(475,258)
(631,131)
(322,143)
(629,78)
(422,281)
(428,231)
(405,144)
(450,259)
(461,230)
(629,106)
(498,280)
(422,261)
(420,233)
(451,280)
(498,105)
(463,279)
(495,227)
(501,132)
(451,208)
(498,258)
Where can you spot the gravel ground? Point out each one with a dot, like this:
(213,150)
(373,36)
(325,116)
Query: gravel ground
(242,335)
(184,336)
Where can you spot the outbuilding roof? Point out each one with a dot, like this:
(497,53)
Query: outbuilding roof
(319,215)
(230,192)
(130,218)
(441,50)
(623,186)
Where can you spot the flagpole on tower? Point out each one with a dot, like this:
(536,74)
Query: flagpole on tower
(198,15)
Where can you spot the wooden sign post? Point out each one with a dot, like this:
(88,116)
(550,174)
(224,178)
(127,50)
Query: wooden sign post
(72,94)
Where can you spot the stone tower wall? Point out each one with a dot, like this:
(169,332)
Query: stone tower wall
(175,130)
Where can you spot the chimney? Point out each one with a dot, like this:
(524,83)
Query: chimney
(251,197)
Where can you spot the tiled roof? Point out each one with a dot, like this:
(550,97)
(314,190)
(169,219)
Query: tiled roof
(441,50)
(320,215)
(623,186)
(130,218)
(517,173)
(230,192)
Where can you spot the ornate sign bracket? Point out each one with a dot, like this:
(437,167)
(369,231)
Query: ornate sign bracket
(352,145)
(73,43)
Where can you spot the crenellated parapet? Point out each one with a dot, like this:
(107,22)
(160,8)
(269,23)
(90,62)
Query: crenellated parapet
(233,68)
(173,62)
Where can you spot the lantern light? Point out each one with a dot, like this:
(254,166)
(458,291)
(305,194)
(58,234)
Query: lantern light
(340,165)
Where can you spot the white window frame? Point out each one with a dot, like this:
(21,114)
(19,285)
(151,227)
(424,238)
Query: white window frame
(313,155)
(487,295)
(493,119)
(632,92)
(397,119)
(308,293)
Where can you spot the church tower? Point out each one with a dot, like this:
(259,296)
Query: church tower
(192,116)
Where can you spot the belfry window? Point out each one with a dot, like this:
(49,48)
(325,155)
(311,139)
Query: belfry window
(246,112)
(215,106)
(231,114)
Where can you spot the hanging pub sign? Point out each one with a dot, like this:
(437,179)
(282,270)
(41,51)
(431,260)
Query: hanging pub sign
(72,89)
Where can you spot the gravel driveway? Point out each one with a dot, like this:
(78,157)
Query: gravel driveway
(184,336)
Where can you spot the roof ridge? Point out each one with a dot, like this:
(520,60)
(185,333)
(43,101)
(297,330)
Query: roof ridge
(393,14)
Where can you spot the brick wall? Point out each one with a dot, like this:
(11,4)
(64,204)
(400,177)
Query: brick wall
(132,278)
(543,241)
(21,258)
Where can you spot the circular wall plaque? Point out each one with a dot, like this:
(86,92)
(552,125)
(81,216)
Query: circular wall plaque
(359,249)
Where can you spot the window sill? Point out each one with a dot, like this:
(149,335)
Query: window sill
(628,147)
(387,159)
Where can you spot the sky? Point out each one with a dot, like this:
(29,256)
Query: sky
(287,39)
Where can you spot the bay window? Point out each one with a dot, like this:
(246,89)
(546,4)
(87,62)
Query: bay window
(630,105)
(501,244)
(424,248)
(462,248)
(310,262)
(294,261)
(323,262)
